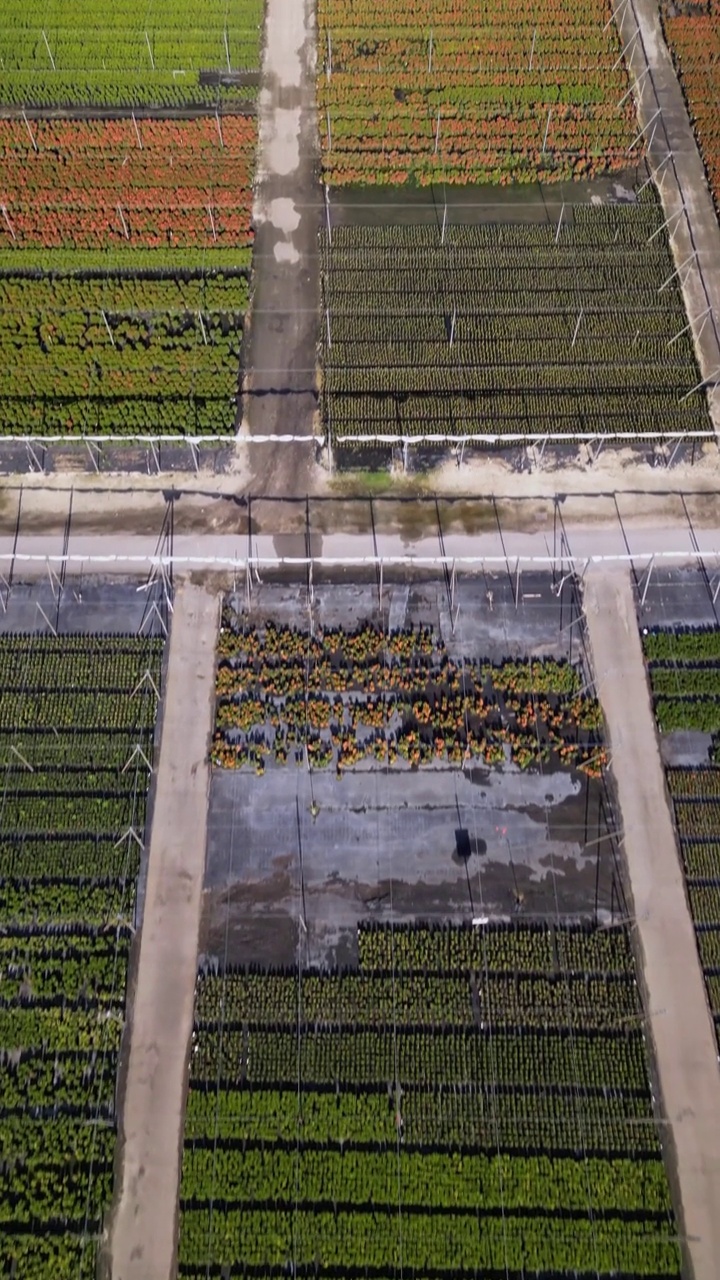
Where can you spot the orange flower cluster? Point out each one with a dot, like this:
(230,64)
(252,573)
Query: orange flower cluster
(468,91)
(695,46)
(78,184)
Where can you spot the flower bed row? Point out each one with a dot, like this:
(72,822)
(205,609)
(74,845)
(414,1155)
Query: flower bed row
(135,55)
(66,904)
(111,183)
(442,1128)
(392,702)
(684,673)
(532,330)
(470,93)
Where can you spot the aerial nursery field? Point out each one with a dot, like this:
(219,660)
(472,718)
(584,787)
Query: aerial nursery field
(62,52)
(73,711)
(124,275)
(340,698)
(694,42)
(466,1102)
(115,184)
(464,92)
(684,670)
(507,330)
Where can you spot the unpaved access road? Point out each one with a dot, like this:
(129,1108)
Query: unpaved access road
(282,338)
(675,159)
(678,1015)
(145,1221)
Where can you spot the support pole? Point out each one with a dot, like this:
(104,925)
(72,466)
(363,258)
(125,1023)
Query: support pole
(452,325)
(638,136)
(107,326)
(640,80)
(559,225)
(27,126)
(6,216)
(577,327)
(699,385)
(547,130)
(329,131)
(126,233)
(444,223)
(327,214)
(430,53)
(227,49)
(437,131)
(137,131)
(152,60)
(202,328)
(219,128)
(623,52)
(532,50)
(47,46)
(673,218)
(647,581)
(328,64)
(327,323)
(212,221)
(703,316)
(653,176)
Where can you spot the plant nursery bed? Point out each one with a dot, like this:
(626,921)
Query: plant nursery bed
(75,710)
(465,1099)
(359,770)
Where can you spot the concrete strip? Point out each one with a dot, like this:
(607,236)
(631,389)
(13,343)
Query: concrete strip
(682,183)
(145,1223)
(685,1046)
(282,336)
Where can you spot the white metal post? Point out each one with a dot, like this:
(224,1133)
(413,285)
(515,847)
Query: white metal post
(47,46)
(27,126)
(327,213)
(557,233)
(6,216)
(107,326)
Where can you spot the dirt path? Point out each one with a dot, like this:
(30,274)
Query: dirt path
(145,1223)
(685,1044)
(681,179)
(281,353)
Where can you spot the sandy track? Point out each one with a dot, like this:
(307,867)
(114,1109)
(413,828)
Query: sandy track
(685,1045)
(281,351)
(145,1222)
(681,179)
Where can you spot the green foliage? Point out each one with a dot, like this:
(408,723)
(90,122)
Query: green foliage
(120,354)
(505,331)
(72,710)
(100,56)
(340,1119)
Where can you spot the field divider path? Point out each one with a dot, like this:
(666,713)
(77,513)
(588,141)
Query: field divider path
(687,203)
(144,1231)
(678,1014)
(281,377)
